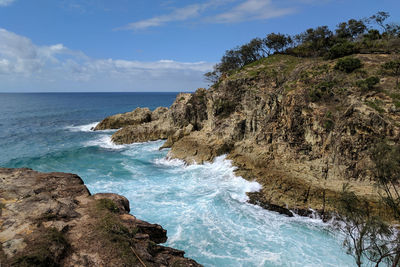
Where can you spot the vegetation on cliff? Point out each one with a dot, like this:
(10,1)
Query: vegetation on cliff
(351,37)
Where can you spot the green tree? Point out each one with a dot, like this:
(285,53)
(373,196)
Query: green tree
(251,51)
(380,18)
(277,42)
(318,39)
(351,29)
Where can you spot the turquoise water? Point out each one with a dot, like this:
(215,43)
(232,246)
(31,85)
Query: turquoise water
(203,207)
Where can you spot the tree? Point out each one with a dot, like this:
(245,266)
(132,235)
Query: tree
(213,76)
(367,237)
(388,30)
(380,18)
(318,39)
(251,51)
(387,173)
(372,35)
(277,42)
(351,29)
(230,61)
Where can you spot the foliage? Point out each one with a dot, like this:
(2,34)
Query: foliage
(351,29)
(387,160)
(367,237)
(348,64)
(318,39)
(328,122)
(277,42)
(212,76)
(372,35)
(348,38)
(368,84)
(321,91)
(376,104)
(107,204)
(393,68)
(341,49)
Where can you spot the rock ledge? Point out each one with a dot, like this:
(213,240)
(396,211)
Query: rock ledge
(51,219)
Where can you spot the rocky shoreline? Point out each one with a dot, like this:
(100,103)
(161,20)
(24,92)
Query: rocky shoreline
(301,131)
(51,219)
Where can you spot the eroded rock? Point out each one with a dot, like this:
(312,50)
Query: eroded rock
(50,219)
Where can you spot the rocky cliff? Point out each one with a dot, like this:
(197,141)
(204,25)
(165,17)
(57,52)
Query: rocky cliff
(298,126)
(51,219)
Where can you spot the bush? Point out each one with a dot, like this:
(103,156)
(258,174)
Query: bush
(322,90)
(341,49)
(368,84)
(348,64)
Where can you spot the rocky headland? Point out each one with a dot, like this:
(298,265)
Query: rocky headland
(298,126)
(51,219)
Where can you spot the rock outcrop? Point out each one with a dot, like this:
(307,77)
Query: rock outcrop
(50,219)
(138,116)
(298,126)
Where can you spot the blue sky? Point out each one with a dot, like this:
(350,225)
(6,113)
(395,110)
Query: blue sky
(126,45)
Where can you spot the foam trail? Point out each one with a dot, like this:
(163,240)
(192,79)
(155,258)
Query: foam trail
(168,162)
(104,141)
(82,128)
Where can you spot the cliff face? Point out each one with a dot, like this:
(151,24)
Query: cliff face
(50,219)
(298,126)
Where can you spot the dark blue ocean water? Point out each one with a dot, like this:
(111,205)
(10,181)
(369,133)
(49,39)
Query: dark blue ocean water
(203,207)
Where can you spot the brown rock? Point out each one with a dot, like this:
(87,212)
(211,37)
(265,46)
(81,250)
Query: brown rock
(138,116)
(50,219)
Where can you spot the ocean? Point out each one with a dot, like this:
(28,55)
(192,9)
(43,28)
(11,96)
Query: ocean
(203,207)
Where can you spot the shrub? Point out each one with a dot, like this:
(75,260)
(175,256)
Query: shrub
(107,204)
(393,68)
(322,90)
(368,84)
(348,64)
(341,49)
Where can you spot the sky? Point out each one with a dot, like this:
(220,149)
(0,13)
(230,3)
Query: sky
(146,45)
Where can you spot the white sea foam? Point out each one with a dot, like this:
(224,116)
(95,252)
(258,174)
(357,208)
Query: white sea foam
(82,128)
(168,162)
(104,141)
(88,128)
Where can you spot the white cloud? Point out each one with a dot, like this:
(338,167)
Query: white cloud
(244,10)
(22,62)
(179,14)
(252,10)
(6,2)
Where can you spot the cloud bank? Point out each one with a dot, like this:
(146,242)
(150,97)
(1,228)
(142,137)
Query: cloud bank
(25,66)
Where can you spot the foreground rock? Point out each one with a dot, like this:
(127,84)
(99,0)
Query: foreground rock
(298,126)
(50,219)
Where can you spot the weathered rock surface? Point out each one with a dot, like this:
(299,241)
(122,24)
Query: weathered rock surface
(50,219)
(138,116)
(298,126)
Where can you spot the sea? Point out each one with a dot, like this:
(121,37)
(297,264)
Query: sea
(203,207)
